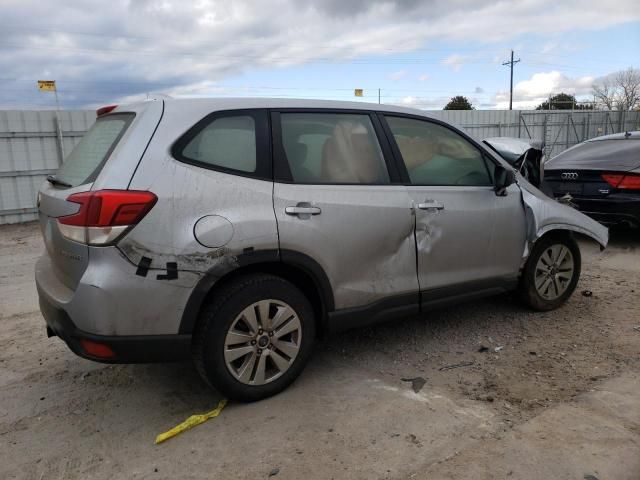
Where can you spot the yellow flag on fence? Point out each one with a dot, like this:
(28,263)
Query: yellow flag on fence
(358,92)
(47,85)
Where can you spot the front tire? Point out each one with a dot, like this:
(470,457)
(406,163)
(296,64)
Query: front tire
(254,338)
(551,273)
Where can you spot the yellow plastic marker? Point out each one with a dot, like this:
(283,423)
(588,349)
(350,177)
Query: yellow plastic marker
(191,422)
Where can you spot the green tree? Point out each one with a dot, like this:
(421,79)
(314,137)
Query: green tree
(563,101)
(459,103)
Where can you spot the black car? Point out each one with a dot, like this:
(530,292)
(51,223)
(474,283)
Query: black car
(600,177)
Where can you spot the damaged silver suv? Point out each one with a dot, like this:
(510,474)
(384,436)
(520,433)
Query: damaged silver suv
(236,231)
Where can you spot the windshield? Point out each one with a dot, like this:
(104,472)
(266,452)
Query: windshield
(88,157)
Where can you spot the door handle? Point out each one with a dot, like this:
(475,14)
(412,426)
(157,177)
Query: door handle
(303,210)
(430,205)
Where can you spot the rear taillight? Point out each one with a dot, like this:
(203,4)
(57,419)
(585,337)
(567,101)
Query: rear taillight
(105,215)
(629,181)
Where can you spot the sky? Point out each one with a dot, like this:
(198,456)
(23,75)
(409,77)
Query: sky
(411,52)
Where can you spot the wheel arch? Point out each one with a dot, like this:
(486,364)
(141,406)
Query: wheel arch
(568,229)
(298,268)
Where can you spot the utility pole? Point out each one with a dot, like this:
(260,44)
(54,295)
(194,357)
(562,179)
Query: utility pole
(511,63)
(59,125)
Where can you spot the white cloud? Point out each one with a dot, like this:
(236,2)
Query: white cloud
(424,77)
(532,92)
(104,51)
(454,61)
(398,75)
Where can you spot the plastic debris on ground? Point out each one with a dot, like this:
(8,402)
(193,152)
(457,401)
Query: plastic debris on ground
(191,422)
(456,365)
(416,383)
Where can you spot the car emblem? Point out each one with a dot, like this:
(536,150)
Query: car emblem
(569,176)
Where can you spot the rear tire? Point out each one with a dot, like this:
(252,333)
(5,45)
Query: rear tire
(551,273)
(255,337)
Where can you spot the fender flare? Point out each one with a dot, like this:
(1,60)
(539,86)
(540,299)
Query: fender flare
(291,258)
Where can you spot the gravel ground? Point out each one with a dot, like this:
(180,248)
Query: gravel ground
(541,395)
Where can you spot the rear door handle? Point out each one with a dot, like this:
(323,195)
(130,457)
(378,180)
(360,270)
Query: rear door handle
(303,210)
(430,205)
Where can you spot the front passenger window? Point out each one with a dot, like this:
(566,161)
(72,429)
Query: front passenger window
(436,155)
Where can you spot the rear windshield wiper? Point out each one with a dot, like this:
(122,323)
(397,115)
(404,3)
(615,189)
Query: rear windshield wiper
(56,181)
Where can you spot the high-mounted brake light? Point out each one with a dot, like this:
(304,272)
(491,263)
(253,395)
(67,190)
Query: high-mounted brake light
(629,181)
(105,215)
(104,110)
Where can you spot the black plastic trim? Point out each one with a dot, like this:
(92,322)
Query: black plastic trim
(211,277)
(271,256)
(440,297)
(380,311)
(413,303)
(315,271)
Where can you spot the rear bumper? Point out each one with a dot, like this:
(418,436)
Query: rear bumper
(126,349)
(134,317)
(616,209)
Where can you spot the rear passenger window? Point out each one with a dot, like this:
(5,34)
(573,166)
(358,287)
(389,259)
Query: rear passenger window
(330,148)
(436,155)
(228,142)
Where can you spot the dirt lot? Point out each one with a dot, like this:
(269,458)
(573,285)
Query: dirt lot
(554,395)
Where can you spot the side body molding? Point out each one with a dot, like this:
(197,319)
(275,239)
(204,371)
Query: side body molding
(544,214)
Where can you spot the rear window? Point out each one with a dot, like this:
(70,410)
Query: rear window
(86,160)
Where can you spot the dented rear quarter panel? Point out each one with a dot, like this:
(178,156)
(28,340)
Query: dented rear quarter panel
(187,193)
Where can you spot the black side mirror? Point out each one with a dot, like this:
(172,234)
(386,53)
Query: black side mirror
(503,178)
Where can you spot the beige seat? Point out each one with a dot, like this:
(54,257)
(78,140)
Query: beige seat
(348,156)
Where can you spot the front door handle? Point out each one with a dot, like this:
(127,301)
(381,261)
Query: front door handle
(430,205)
(303,210)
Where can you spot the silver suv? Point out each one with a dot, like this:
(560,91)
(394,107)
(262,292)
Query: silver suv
(237,231)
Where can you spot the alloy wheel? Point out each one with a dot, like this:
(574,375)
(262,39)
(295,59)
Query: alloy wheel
(554,271)
(262,342)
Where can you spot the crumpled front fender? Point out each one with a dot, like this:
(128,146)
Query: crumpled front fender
(544,214)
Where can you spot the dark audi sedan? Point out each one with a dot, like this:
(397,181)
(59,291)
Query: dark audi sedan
(601,177)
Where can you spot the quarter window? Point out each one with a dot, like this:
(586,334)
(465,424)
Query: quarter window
(330,148)
(436,155)
(228,142)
